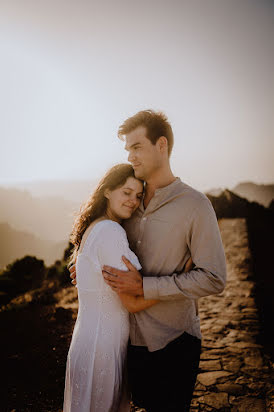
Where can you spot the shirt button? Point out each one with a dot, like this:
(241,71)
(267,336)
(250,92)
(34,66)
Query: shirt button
(139,241)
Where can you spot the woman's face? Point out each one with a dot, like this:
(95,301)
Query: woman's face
(122,202)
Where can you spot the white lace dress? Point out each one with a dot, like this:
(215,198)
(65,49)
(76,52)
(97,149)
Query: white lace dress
(95,378)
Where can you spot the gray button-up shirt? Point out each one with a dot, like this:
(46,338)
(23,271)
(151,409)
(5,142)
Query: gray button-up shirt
(179,222)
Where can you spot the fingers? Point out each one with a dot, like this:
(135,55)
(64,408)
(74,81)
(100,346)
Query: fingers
(73,275)
(128,264)
(112,281)
(110,278)
(113,271)
(72,270)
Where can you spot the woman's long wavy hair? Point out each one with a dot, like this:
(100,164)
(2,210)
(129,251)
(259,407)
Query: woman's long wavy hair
(96,205)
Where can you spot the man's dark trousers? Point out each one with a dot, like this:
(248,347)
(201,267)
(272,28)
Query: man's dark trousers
(164,380)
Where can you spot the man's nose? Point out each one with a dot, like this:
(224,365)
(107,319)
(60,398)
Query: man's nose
(130,157)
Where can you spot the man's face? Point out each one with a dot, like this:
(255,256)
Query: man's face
(143,155)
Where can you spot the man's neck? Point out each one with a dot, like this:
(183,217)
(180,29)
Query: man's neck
(161,179)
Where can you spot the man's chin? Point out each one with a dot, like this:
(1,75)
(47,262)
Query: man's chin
(138,174)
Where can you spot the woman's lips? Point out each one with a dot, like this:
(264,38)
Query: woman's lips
(129,207)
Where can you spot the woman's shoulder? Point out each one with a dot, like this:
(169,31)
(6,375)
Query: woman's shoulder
(107,227)
(104,233)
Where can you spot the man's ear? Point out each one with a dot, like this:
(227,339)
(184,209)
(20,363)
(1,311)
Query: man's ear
(163,144)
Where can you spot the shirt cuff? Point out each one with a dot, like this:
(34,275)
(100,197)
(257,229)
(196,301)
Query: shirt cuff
(150,288)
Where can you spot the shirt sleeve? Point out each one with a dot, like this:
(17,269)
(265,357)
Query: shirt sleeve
(113,244)
(209,274)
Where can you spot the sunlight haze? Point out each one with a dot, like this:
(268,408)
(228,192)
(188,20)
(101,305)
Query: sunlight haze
(72,72)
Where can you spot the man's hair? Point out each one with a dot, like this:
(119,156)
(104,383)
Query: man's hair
(156,124)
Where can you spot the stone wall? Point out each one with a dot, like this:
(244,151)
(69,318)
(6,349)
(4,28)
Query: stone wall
(235,374)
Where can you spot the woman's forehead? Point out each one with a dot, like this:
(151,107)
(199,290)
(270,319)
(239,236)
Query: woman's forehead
(133,184)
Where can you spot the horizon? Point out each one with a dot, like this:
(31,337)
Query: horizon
(25,184)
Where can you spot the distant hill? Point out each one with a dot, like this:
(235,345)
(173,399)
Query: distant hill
(16,244)
(214,192)
(73,191)
(48,218)
(38,226)
(253,192)
(229,205)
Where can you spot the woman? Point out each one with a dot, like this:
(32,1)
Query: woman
(95,378)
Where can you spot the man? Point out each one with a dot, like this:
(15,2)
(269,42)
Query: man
(173,224)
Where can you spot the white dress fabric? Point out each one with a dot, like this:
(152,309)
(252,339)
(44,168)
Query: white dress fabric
(95,371)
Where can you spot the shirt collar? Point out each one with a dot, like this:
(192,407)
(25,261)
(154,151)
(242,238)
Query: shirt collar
(161,195)
(168,188)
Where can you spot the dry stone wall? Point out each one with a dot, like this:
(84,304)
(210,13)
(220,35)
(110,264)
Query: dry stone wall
(235,374)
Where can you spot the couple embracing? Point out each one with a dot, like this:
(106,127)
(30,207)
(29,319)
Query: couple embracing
(148,247)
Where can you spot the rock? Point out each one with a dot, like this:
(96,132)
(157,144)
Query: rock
(199,387)
(244,345)
(243,404)
(210,344)
(254,372)
(259,387)
(210,354)
(210,378)
(232,365)
(242,380)
(231,388)
(255,361)
(210,365)
(217,329)
(215,400)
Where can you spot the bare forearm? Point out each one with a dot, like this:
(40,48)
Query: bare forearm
(136,303)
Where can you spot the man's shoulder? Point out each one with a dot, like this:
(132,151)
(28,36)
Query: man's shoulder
(190,195)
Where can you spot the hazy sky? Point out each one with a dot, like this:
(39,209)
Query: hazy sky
(72,71)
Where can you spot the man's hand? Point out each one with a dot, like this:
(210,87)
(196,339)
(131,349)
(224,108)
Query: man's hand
(129,282)
(72,275)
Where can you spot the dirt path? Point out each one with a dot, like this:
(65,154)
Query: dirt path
(235,374)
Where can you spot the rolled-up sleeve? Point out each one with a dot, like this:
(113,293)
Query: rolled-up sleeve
(209,273)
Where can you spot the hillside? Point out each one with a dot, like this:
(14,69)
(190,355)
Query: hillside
(47,218)
(262,194)
(15,244)
(75,191)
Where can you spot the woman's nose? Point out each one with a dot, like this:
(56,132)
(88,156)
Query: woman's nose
(133,201)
